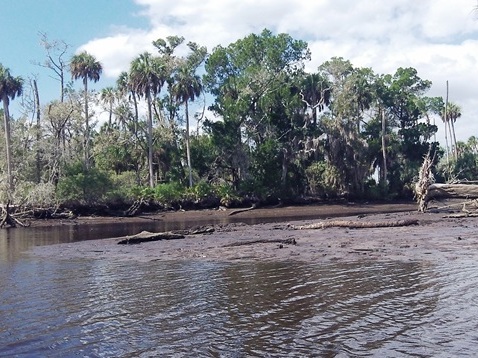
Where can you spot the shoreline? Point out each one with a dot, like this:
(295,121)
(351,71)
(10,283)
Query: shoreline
(434,238)
(261,214)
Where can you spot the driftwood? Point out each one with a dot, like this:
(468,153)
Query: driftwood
(425,179)
(146,236)
(196,230)
(357,224)
(263,241)
(7,219)
(461,215)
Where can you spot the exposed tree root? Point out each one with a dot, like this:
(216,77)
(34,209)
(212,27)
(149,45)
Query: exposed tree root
(135,208)
(234,212)
(8,220)
(357,224)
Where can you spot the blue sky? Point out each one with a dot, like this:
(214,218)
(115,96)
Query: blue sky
(437,37)
(73,21)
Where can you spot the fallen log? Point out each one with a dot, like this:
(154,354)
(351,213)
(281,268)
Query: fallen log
(464,191)
(196,230)
(146,236)
(234,212)
(263,241)
(357,224)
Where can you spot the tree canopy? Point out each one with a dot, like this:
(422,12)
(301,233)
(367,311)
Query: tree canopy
(271,130)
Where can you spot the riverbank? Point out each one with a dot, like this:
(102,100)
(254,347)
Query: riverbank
(435,237)
(259,215)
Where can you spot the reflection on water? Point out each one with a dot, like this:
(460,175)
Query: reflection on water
(101,308)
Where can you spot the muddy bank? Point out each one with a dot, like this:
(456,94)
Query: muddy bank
(434,237)
(259,215)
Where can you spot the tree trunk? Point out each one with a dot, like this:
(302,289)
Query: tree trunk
(111,114)
(6,116)
(136,114)
(384,149)
(87,129)
(188,152)
(38,137)
(452,146)
(150,141)
(285,167)
(455,149)
(447,148)
(447,124)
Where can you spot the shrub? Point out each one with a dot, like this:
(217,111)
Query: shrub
(84,187)
(167,193)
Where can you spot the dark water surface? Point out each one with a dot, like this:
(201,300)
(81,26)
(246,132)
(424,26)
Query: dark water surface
(101,308)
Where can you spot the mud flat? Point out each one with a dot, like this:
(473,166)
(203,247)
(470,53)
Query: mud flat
(423,236)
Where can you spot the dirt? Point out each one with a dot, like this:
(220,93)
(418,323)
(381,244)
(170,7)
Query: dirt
(436,236)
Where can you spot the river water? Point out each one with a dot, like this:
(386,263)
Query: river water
(100,308)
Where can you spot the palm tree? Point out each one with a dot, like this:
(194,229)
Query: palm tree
(10,87)
(315,93)
(187,87)
(453,113)
(86,67)
(123,83)
(147,76)
(108,96)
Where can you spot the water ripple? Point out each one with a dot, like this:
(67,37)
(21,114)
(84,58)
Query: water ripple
(103,309)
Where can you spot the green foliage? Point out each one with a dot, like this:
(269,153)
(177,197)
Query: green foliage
(463,169)
(322,179)
(84,186)
(168,193)
(202,190)
(227,195)
(266,166)
(124,187)
(203,156)
(279,131)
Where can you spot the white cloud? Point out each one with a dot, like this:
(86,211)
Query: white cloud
(438,38)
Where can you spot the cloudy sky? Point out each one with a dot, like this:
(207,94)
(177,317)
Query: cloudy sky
(439,38)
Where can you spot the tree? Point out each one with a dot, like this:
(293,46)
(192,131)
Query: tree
(125,87)
(315,92)
(86,67)
(187,86)
(108,96)
(55,59)
(406,108)
(10,87)
(453,112)
(147,76)
(352,94)
(254,81)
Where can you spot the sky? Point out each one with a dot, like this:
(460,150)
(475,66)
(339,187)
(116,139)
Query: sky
(437,37)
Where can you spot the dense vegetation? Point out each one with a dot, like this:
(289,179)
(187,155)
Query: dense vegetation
(272,131)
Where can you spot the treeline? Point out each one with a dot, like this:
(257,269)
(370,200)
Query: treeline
(272,131)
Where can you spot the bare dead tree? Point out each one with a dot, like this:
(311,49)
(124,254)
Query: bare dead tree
(56,59)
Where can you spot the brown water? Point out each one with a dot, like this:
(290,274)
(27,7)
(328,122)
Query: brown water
(100,308)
